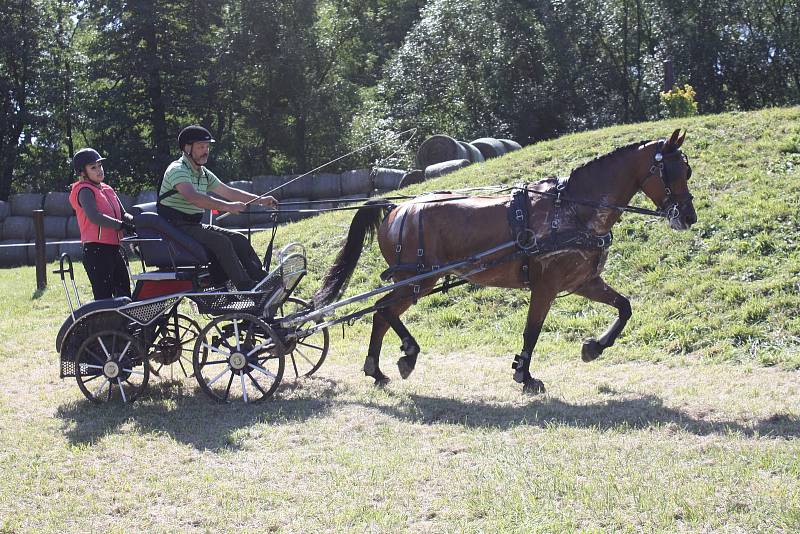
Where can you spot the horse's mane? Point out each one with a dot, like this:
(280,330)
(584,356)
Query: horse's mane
(609,155)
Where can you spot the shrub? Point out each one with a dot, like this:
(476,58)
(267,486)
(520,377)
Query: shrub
(678,102)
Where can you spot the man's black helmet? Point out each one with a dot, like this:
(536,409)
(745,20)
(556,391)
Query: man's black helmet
(84,157)
(192,134)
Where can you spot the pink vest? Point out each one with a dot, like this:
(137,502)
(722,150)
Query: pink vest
(107,204)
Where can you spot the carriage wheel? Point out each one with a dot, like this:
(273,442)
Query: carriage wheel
(174,343)
(111,364)
(306,354)
(238,357)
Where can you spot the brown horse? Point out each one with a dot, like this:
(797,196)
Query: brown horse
(562,246)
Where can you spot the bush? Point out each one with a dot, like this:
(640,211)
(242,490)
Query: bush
(678,102)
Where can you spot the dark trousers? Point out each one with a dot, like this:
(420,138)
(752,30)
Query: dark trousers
(231,250)
(107,271)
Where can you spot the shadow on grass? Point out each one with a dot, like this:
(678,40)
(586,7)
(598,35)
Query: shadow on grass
(647,411)
(188,416)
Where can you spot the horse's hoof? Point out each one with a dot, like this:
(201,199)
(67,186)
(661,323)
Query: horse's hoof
(410,348)
(405,365)
(591,350)
(533,387)
(382,381)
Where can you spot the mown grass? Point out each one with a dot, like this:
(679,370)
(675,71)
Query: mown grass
(689,423)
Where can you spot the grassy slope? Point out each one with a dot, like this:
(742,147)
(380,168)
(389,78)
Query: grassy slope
(680,427)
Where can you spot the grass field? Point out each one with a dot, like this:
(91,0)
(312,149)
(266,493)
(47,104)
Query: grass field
(689,423)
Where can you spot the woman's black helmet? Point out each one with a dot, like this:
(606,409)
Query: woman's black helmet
(84,157)
(193,134)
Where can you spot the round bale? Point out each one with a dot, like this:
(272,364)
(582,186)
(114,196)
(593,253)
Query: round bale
(388,179)
(50,254)
(5,210)
(244,185)
(261,216)
(415,176)
(356,182)
(73,230)
(510,145)
(23,204)
(489,147)
(16,227)
(294,204)
(439,148)
(475,155)
(11,256)
(126,200)
(55,227)
(325,186)
(146,197)
(266,184)
(56,203)
(298,189)
(75,250)
(445,167)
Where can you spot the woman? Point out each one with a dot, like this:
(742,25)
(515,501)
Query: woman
(102,220)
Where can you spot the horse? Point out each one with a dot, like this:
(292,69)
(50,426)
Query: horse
(561,246)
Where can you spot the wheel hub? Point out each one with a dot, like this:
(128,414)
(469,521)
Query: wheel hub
(111,369)
(238,361)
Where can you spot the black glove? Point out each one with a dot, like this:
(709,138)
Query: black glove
(128,227)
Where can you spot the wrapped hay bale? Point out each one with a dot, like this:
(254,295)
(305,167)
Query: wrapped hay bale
(388,179)
(356,182)
(73,230)
(50,254)
(126,200)
(55,228)
(293,204)
(11,256)
(474,154)
(75,250)
(446,167)
(243,185)
(23,204)
(57,204)
(233,220)
(325,186)
(5,210)
(415,176)
(145,197)
(297,189)
(262,215)
(17,227)
(510,145)
(265,184)
(489,147)
(439,148)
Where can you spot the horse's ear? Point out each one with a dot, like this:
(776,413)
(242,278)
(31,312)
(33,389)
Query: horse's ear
(674,139)
(679,142)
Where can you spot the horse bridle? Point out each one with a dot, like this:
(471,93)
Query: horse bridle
(672,203)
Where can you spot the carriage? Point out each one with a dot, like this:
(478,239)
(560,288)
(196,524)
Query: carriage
(113,346)
(540,239)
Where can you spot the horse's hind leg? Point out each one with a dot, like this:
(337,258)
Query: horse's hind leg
(390,308)
(597,290)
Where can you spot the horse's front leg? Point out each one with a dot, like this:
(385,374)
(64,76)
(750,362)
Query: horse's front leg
(541,300)
(597,290)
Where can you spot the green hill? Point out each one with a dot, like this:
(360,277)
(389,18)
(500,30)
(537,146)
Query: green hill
(725,290)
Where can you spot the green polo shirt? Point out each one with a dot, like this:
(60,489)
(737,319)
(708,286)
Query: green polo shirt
(180,171)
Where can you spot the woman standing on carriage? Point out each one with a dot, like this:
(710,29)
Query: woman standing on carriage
(102,220)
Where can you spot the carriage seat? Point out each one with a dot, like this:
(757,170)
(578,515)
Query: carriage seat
(86,309)
(175,250)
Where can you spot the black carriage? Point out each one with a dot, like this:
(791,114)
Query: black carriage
(113,346)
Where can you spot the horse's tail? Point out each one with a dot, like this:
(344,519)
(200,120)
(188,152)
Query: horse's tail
(365,223)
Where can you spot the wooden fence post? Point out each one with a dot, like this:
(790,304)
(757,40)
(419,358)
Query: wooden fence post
(41,263)
(669,75)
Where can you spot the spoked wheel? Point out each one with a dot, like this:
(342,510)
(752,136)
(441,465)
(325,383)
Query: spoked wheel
(306,354)
(111,364)
(238,357)
(174,343)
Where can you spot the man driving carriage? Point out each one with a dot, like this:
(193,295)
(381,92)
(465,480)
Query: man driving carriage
(183,197)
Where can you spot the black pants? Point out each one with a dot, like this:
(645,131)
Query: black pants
(107,272)
(231,250)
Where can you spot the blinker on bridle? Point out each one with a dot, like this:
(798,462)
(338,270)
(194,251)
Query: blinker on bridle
(659,168)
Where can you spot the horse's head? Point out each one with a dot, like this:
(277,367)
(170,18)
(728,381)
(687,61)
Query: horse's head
(670,192)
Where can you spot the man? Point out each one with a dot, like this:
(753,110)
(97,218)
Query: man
(183,197)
